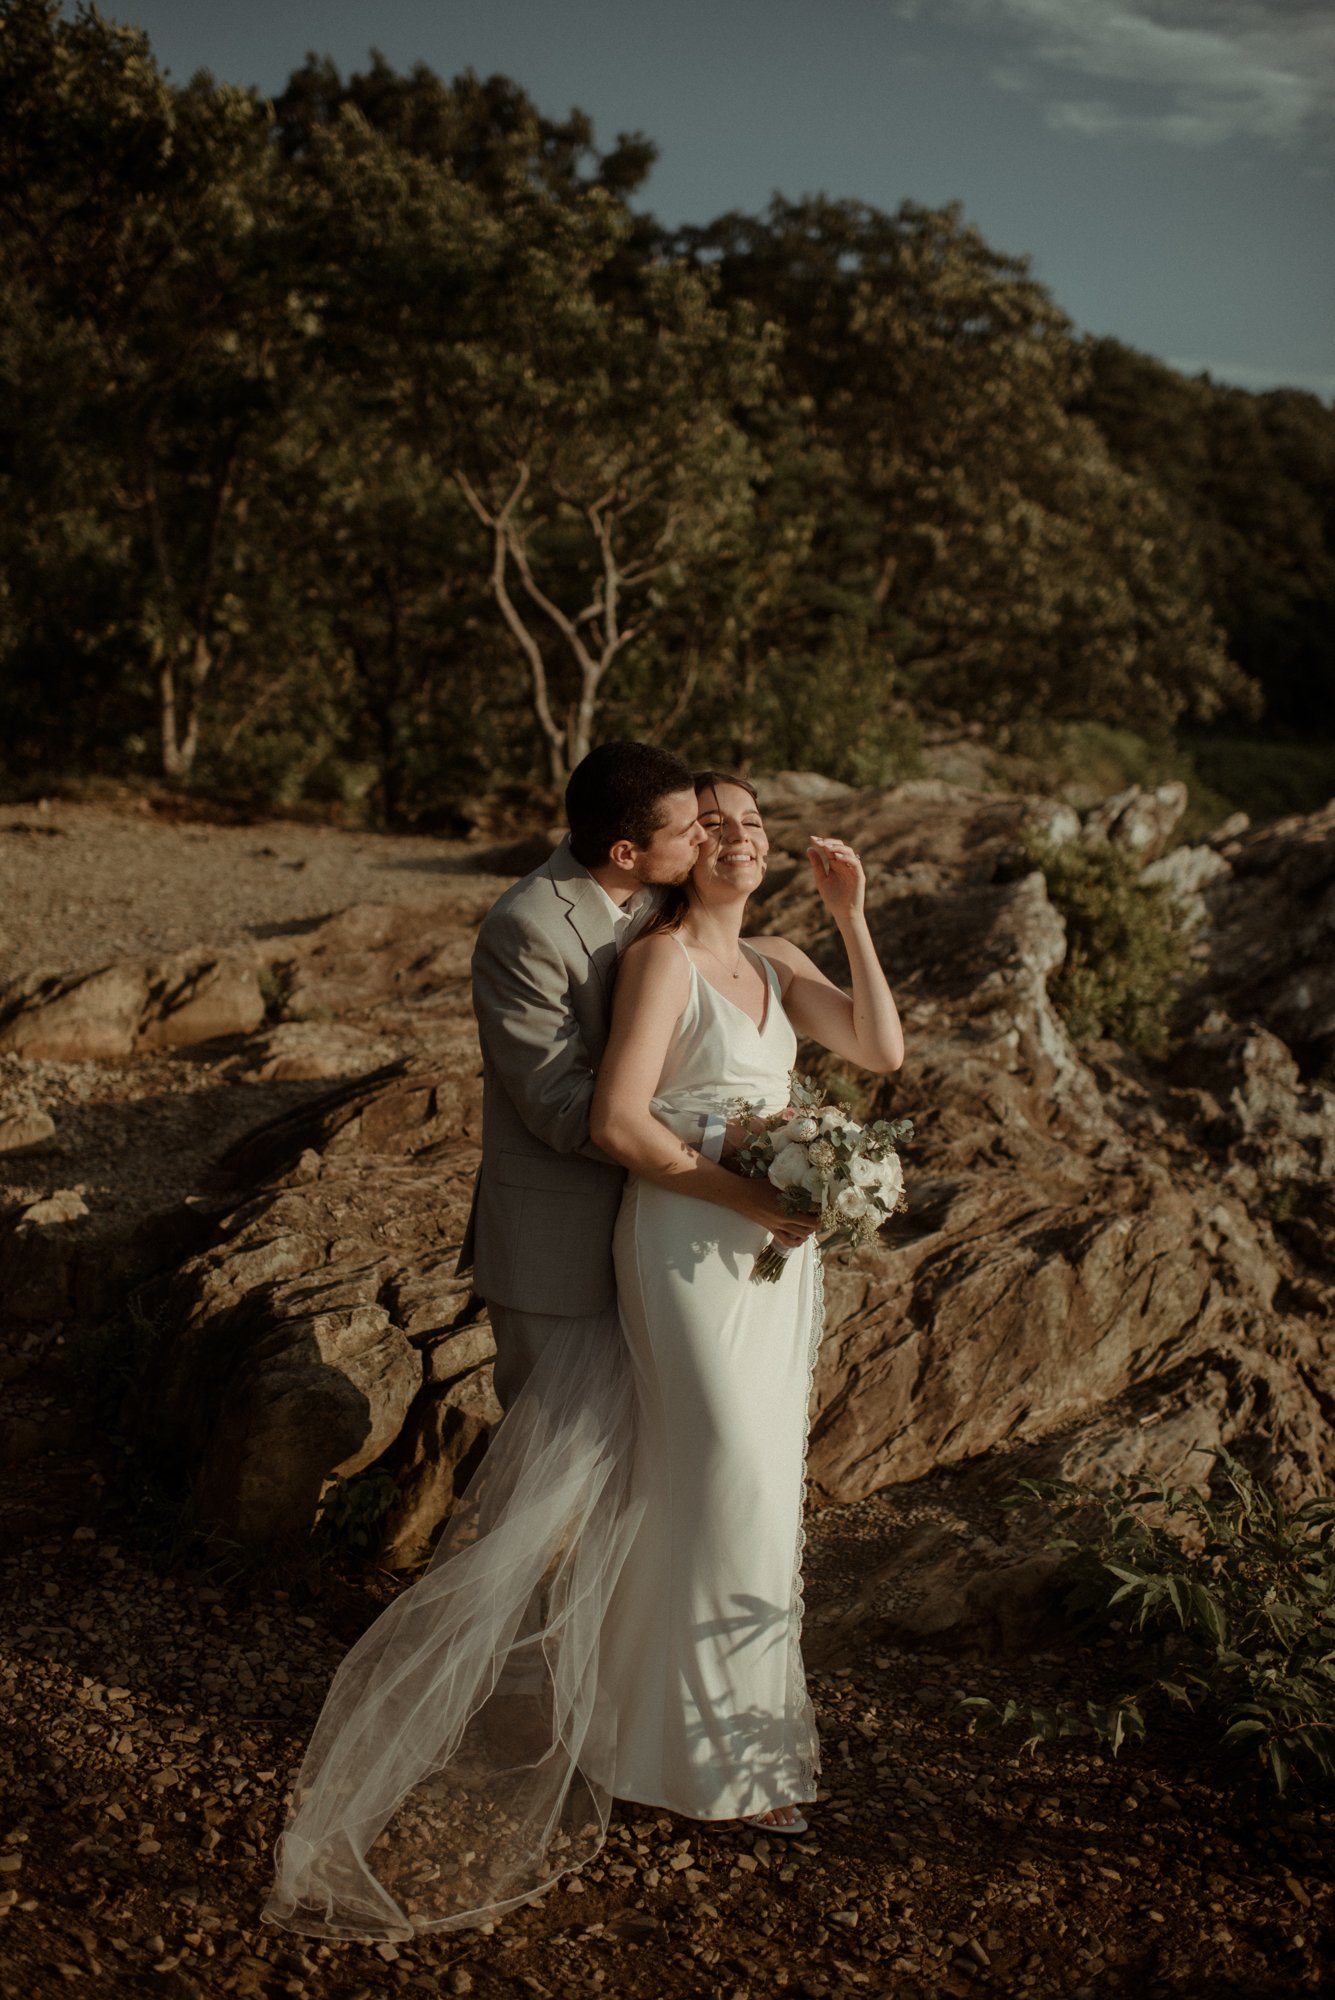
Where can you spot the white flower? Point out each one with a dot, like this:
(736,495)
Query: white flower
(865,1172)
(852,1204)
(835,1122)
(799,1131)
(889,1182)
(789,1167)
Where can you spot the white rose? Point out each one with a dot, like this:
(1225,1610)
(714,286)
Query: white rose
(852,1204)
(889,1182)
(799,1131)
(789,1167)
(867,1173)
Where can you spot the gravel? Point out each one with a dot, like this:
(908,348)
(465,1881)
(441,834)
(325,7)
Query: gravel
(83,884)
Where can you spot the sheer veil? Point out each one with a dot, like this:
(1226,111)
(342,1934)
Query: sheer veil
(464,1756)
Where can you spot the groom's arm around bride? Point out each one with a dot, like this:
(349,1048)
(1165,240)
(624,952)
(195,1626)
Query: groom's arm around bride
(539,1239)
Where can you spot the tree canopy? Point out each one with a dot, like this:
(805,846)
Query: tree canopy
(368,445)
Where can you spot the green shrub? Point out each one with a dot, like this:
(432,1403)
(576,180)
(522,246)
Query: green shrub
(1265,777)
(1126,944)
(352,1509)
(1230,1604)
(1083,762)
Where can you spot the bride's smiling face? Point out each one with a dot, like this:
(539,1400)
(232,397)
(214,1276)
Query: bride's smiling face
(735,845)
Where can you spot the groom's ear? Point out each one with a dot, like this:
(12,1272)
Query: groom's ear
(622,853)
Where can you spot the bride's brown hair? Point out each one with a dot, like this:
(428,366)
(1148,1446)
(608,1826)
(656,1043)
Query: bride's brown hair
(671,913)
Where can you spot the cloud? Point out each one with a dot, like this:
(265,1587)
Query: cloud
(1191,72)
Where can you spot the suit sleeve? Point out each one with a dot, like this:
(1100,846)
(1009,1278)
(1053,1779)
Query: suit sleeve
(521,996)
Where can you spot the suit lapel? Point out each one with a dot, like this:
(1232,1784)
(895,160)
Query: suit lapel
(588,912)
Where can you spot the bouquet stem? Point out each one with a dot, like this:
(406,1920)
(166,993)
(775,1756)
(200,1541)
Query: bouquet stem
(768,1267)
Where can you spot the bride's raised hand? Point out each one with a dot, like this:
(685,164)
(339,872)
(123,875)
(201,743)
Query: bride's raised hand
(838,875)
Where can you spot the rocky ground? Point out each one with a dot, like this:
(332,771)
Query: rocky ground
(154,1711)
(158,1688)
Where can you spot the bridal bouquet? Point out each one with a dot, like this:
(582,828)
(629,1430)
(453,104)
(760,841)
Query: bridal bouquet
(824,1163)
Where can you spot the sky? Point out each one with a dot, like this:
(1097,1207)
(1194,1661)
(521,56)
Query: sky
(1166,165)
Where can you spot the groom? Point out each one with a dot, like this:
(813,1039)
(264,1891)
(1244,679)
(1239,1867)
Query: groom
(539,1239)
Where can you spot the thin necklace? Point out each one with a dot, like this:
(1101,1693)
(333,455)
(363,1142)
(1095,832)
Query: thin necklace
(735,971)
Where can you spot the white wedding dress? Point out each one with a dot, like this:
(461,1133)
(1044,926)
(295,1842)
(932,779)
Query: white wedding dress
(614,1609)
(700,1650)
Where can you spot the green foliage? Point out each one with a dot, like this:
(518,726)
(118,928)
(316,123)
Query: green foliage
(114,1361)
(1230,1601)
(771,490)
(1253,479)
(352,1509)
(1126,944)
(1265,779)
(1007,562)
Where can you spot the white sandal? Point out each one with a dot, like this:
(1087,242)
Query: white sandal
(784,1828)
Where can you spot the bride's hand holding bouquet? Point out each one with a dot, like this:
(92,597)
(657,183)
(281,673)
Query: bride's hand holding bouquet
(824,1164)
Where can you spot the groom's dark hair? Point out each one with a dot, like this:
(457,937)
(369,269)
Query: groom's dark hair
(616,793)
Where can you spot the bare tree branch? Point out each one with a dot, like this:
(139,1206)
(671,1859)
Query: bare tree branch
(503,543)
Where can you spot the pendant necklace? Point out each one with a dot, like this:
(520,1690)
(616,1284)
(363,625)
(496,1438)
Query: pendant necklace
(734,973)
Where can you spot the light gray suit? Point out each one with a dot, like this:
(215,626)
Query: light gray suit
(539,1239)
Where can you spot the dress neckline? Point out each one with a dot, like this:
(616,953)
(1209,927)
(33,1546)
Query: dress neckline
(767,974)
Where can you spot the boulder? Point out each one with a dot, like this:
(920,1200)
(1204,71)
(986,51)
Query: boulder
(1188,872)
(65,1205)
(312,1051)
(174,1002)
(1271,940)
(378,956)
(62,1262)
(436,1454)
(1055,1256)
(75,1020)
(312,1397)
(199,997)
(1139,819)
(332,1283)
(22,1129)
(799,788)
(1252,1102)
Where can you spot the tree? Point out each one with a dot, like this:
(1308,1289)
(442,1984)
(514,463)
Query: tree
(147,229)
(1006,564)
(582,405)
(1252,478)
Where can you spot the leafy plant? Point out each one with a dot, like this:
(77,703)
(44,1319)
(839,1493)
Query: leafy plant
(1126,944)
(352,1508)
(1233,1601)
(115,1360)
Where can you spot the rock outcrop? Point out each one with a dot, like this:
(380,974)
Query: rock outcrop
(135,1004)
(294,1347)
(1106,1265)
(1060,1259)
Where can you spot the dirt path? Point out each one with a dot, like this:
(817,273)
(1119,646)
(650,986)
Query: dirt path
(81,884)
(153,1709)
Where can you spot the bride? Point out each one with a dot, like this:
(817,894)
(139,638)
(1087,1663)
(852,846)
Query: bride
(614,1610)
(701,1655)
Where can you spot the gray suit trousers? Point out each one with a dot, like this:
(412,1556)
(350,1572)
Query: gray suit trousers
(521,1337)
